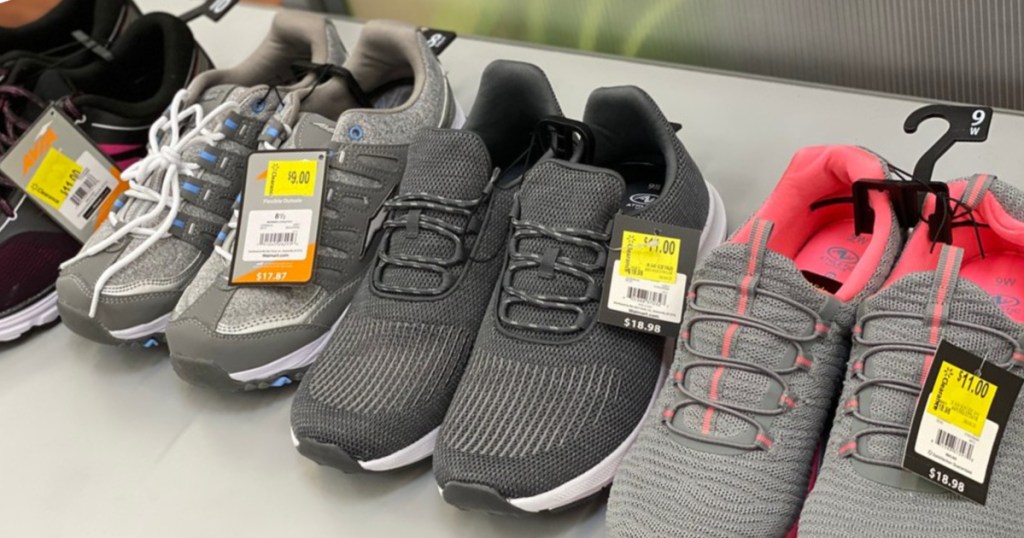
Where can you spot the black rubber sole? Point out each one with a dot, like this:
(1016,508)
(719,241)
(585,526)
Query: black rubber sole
(207,374)
(330,456)
(480,498)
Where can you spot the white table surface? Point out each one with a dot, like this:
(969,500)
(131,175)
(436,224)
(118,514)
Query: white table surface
(106,442)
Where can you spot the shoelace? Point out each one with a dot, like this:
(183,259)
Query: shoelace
(873,347)
(705,360)
(518,261)
(166,143)
(414,204)
(225,248)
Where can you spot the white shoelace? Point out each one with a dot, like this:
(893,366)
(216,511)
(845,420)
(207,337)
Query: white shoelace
(165,157)
(226,247)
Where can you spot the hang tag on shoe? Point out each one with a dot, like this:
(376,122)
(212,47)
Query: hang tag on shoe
(64,173)
(647,276)
(279,221)
(960,419)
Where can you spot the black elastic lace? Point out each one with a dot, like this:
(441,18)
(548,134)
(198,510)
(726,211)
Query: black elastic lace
(876,426)
(412,206)
(588,272)
(706,360)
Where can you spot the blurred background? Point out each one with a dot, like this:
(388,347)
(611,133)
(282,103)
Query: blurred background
(969,51)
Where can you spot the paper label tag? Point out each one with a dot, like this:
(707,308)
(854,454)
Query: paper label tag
(64,173)
(959,421)
(280,218)
(291,178)
(648,274)
(649,257)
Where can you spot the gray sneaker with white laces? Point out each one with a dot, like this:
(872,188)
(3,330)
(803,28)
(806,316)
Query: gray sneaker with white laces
(729,448)
(255,337)
(124,283)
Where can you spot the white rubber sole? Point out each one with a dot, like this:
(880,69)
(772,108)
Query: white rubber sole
(420,450)
(595,479)
(716,226)
(138,332)
(300,358)
(42,312)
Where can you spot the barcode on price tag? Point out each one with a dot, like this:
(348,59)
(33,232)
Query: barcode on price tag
(277,235)
(89,191)
(658,298)
(278,239)
(961,447)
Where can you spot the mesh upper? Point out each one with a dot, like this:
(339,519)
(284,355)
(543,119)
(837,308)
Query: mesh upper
(29,265)
(535,410)
(388,373)
(845,494)
(669,485)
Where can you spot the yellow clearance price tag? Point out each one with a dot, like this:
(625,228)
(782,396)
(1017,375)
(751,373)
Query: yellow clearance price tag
(649,257)
(961,398)
(291,178)
(54,178)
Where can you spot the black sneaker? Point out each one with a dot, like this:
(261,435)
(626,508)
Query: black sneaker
(551,399)
(376,398)
(114,101)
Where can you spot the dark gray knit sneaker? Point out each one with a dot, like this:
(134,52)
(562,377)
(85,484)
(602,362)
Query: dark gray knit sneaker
(729,449)
(256,337)
(124,283)
(968,294)
(551,399)
(375,400)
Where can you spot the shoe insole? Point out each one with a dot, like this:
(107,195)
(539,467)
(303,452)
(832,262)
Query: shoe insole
(644,181)
(831,254)
(999,274)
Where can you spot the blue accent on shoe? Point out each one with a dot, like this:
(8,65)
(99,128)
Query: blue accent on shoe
(273,132)
(238,197)
(118,203)
(178,223)
(231,124)
(281,381)
(191,187)
(208,156)
(356,133)
(152,342)
(221,235)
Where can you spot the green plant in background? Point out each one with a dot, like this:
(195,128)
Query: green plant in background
(638,28)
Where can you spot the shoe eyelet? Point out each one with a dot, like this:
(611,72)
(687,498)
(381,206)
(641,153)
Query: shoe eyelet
(259,106)
(355,133)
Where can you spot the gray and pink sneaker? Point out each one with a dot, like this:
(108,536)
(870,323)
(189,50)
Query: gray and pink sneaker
(728,450)
(970,294)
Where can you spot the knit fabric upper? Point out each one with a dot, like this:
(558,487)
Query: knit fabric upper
(882,500)
(728,449)
(369,148)
(548,392)
(388,374)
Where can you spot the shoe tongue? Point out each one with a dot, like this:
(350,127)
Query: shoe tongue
(52,85)
(310,131)
(449,163)
(564,195)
